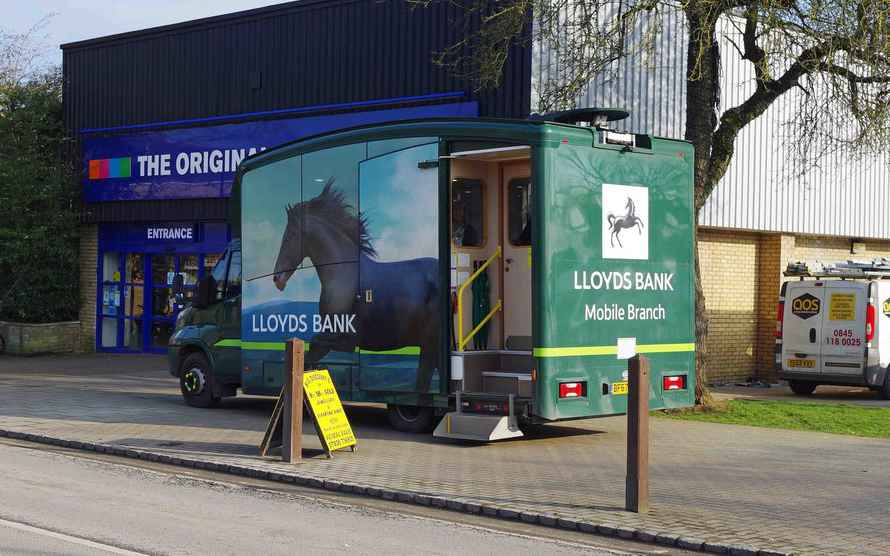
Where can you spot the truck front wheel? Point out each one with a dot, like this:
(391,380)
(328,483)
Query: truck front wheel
(195,379)
(801,387)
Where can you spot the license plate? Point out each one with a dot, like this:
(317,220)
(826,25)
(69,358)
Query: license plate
(619,388)
(802,363)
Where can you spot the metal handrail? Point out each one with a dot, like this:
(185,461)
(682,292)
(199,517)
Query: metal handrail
(461,341)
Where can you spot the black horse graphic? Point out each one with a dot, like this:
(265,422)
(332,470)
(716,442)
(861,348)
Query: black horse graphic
(629,220)
(395,304)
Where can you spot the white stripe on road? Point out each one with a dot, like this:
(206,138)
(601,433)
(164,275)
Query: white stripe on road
(68,538)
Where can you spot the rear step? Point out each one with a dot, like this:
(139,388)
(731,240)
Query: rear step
(461,425)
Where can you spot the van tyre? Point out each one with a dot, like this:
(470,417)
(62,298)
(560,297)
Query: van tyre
(801,387)
(409,418)
(196,381)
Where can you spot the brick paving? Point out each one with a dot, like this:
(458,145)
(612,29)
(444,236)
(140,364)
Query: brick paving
(789,491)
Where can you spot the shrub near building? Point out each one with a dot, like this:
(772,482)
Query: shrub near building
(38,205)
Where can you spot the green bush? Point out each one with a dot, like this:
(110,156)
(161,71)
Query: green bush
(39,202)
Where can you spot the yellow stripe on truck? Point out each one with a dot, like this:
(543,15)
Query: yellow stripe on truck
(580,351)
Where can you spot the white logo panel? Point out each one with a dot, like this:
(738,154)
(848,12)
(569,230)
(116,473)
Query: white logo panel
(625,222)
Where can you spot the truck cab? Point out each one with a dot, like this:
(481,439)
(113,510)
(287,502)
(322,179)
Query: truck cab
(204,349)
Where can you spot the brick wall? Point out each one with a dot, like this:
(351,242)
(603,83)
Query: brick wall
(729,266)
(833,249)
(742,275)
(33,339)
(775,252)
(89,246)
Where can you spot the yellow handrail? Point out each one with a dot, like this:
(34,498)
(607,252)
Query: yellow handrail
(461,341)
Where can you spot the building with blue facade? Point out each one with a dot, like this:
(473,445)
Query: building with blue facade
(162,118)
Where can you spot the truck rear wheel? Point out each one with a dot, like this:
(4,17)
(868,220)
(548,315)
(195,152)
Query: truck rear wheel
(195,381)
(802,387)
(410,418)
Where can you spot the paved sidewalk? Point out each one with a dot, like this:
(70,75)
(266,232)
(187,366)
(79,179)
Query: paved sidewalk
(807,492)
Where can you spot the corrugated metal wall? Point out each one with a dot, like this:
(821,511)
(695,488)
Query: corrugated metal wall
(763,189)
(298,54)
(652,90)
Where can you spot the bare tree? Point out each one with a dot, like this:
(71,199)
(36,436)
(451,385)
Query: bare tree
(834,53)
(21,51)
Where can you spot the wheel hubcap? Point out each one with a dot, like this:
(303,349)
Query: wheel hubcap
(194,381)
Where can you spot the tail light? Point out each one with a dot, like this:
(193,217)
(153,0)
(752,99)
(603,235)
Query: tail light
(572,389)
(780,319)
(870,314)
(675,382)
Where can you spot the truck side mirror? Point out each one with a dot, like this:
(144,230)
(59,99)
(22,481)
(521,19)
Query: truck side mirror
(205,292)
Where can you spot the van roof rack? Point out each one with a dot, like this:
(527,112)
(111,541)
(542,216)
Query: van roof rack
(875,268)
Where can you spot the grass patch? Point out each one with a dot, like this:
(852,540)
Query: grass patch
(838,419)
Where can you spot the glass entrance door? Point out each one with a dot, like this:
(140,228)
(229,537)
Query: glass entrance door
(164,308)
(137,309)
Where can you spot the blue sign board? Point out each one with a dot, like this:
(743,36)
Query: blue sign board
(200,162)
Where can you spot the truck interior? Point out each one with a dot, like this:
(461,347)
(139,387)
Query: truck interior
(491,293)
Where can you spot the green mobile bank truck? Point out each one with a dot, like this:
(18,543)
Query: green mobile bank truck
(475,273)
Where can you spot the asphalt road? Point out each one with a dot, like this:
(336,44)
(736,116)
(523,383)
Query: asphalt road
(56,503)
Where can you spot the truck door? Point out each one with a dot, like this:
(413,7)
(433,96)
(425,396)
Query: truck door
(843,328)
(399,300)
(804,310)
(518,264)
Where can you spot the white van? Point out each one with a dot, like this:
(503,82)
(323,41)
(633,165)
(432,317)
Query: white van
(834,328)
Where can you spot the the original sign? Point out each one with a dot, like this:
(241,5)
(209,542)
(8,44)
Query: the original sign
(324,404)
(805,306)
(842,306)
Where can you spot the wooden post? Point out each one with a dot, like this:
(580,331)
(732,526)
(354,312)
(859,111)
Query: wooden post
(292,425)
(636,494)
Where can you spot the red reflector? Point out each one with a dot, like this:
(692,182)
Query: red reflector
(572,389)
(870,314)
(677,382)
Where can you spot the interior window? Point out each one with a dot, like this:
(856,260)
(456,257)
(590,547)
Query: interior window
(520,211)
(233,284)
(466,212)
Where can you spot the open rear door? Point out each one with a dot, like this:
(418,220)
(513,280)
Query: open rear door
(843,328)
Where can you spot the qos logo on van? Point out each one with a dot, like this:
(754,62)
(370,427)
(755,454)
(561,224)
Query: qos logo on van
(806,306)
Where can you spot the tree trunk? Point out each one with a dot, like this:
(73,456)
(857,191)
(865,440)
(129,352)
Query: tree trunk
(702,102)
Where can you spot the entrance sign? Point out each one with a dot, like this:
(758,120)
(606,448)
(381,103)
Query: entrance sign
(324,405)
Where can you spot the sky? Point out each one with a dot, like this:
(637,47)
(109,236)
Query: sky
(75,20)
